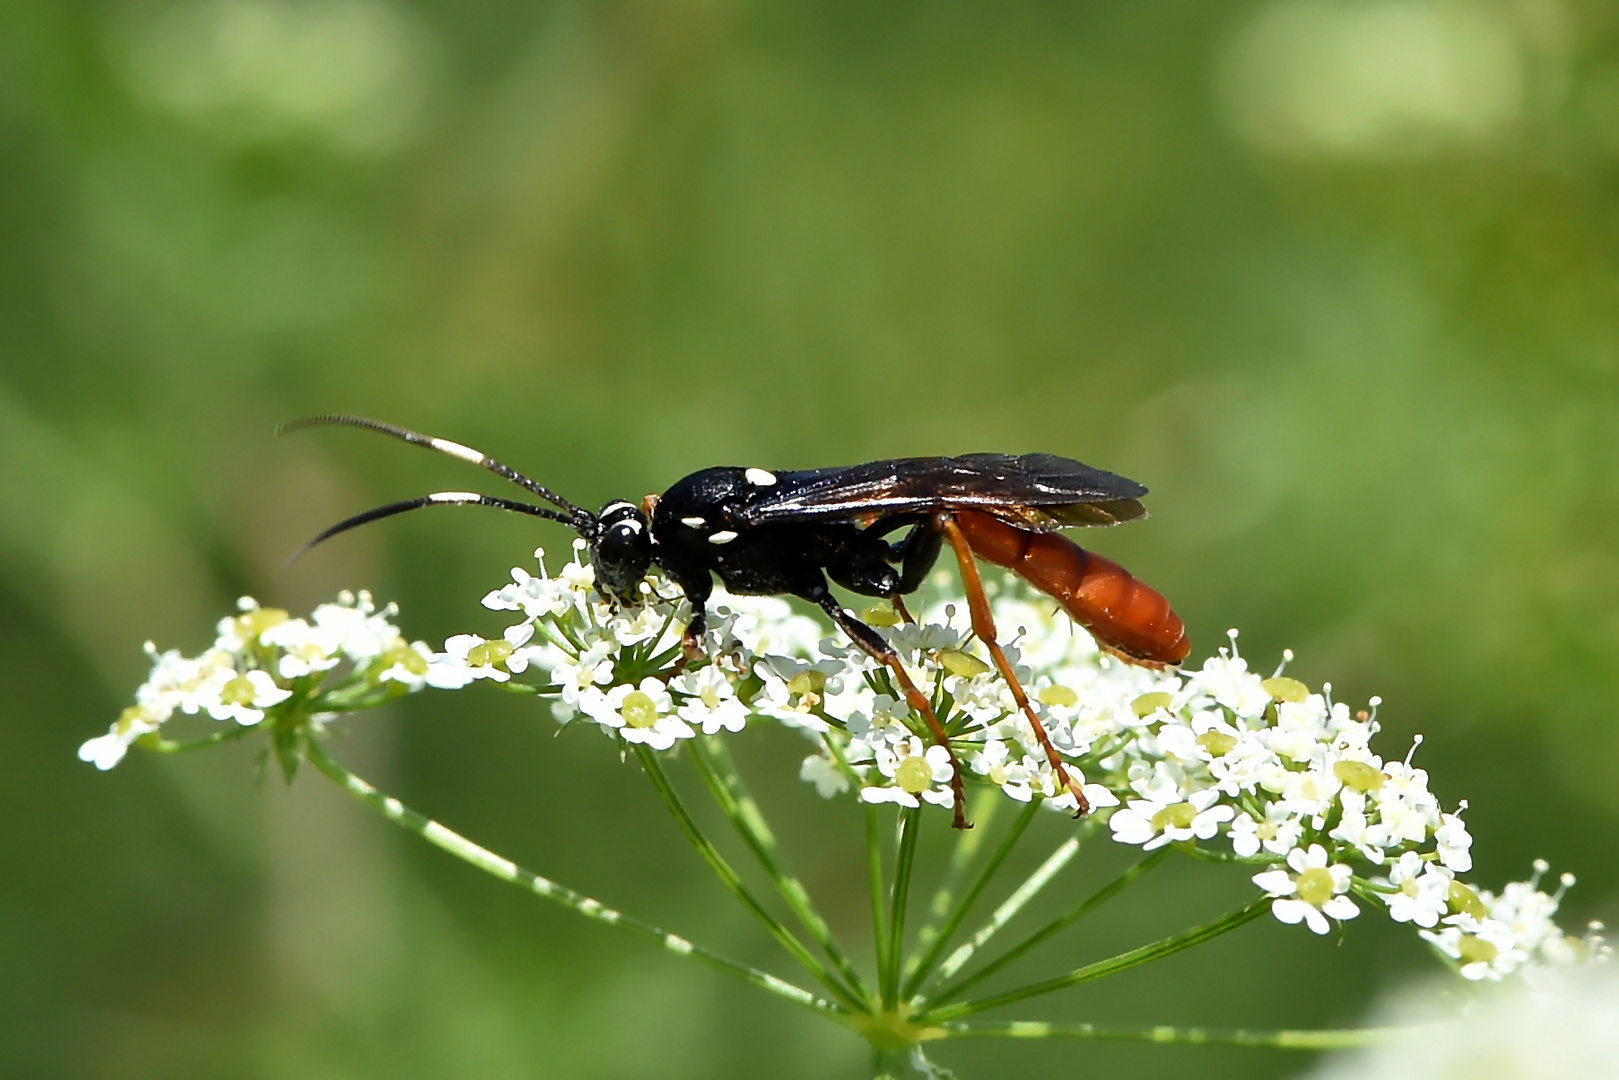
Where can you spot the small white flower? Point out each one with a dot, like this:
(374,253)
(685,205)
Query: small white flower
(245,697)
(712,702)
(105,751)
(1228,681)
(1424,891)
(1482,948)
(1152,823)
(823,772)
(1453,843)
(644,714)
(466,658)
(1278,833)
(1314,892)
(916,769)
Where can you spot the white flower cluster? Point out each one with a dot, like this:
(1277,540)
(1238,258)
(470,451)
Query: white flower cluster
(257,662)
(1220,761)
(1282,775)
(1489,936)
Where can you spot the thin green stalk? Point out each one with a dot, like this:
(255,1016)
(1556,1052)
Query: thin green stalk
(1286,1039)
(159,745)
(924,966)
(717,863)
(904,859)
(719,773)
(986,801)
(1111,966)
(1018,900)
(874,874)
(1190,847)
(453,842)
(874,862)
(1062,922)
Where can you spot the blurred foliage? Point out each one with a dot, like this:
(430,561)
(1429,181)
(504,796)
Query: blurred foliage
(1338,280)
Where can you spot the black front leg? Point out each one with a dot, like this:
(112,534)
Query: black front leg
(916,555)
(697,587)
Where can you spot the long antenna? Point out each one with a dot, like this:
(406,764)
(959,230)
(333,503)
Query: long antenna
(438,498)
(581,520)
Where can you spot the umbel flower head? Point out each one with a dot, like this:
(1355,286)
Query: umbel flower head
(1217,761)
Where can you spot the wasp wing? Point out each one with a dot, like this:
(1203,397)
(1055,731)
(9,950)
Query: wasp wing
(1036,491)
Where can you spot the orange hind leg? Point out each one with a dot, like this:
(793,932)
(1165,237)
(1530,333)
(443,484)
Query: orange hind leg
(983,621)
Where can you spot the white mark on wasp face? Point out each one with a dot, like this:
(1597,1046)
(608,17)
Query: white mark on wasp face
(693,522)
(722,537)
(760,477)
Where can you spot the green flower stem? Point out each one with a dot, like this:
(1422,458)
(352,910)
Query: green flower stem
(1283,1039)
(1092,902)
(717,863)
(715,766)
(986,801)
(442,837)
(904,859)
(1190,847)
(924,966)
(1111,966)
(874,873)
(874,862)
(160,745)
(1015,903)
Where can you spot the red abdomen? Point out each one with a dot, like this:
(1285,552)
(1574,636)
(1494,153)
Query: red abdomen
(1120,612)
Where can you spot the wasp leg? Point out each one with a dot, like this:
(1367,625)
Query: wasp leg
(916,555)
(984,626)
(873,645)
(697,590)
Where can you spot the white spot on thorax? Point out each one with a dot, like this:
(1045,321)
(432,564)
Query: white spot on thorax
(693,522)
(722,537)
(760,477)
(454,497)
(631,524)
(455,449)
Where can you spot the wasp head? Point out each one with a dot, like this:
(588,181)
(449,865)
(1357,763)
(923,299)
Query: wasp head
(621,551)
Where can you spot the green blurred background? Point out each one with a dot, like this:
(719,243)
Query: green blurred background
(1338,281)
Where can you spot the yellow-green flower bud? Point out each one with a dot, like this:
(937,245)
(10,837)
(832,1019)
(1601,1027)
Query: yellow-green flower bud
(1058,695)
(253,623)
(807,682)
(1217,743)
(639,710)
(1464,901)
(1283,688)
(1475,950)
(1358,775)
(914,775)
(880,615)
(1315,885)
(490,653)
(129,718)
(1180,815)
(963,664)
(406,657)
(1147,704)
(239,691)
